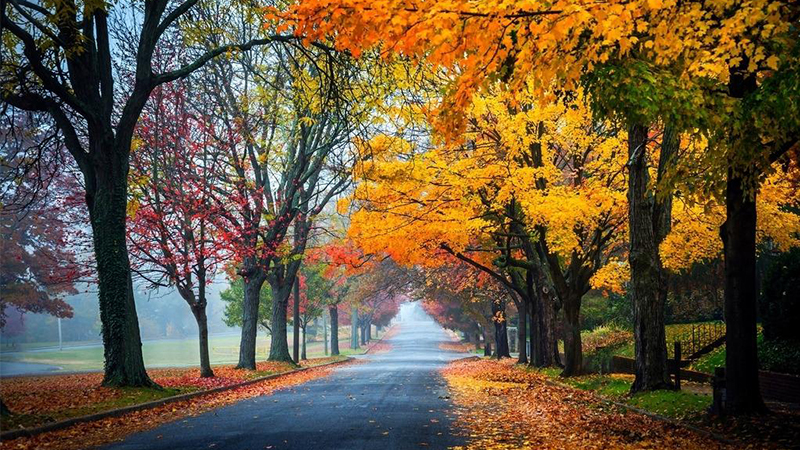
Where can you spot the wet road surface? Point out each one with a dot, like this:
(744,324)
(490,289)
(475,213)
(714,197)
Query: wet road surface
(394,400)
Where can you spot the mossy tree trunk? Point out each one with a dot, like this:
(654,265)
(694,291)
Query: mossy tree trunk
(106,197)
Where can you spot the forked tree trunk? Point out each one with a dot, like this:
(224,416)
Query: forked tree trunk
(648,308)
(573,352)
(741,358)
(334,313)
(106,198)
(201,318)
(253,282)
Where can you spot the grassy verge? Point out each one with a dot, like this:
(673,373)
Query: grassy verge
(688,404)
(38,400)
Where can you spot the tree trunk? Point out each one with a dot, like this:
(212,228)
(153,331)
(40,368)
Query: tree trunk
(544,343)
(739,241)
(364,333)
(369,332)
(477,341)
(741,358)
(334,313)
(303,351)
(325,333)
(202,327)
(573,352)
(296,322)
(106,198)
(247,346)
(279,346)
(522,332)
(648,309)
(500,329)
(4,411)
(354,329)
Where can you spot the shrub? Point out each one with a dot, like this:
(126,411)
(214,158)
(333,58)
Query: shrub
(780,303)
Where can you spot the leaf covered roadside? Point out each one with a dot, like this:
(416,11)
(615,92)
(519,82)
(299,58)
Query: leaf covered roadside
(82,394)
(501,408)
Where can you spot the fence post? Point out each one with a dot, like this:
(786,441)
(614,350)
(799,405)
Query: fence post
(718,384)
(677,365)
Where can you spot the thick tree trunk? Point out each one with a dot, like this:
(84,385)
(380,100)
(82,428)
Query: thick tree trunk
(648,307)
(202,327)
(296,322)
(741,358)
(544,343)
(364,333)
(253,282)
(279,346)
(500,329)
(106,197)
(573,353)
(739,241)
(369,332)
(477,341)
(334,313)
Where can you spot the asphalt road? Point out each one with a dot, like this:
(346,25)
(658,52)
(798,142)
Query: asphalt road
(396,400)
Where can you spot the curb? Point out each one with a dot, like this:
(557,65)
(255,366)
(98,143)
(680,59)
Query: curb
(30,432)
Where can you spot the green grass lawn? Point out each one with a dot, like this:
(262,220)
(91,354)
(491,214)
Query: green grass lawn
(685,404)
(167,353)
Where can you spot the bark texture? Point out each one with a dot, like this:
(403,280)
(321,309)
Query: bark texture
(106,197)
(648,307)
(253,281)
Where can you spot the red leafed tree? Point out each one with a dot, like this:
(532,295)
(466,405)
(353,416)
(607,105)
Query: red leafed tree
(40,234)
(172,234)
(340,261)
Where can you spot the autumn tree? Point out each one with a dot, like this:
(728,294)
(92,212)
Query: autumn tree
(689,71)
(173,227)
(58,60)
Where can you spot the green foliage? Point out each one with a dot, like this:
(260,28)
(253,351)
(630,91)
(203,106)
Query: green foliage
(234,302)
(780,308)
(636,91)
(779,356)
(614,310)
